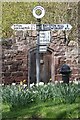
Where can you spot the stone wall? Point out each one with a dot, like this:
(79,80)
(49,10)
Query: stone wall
(15,52)
(65,52)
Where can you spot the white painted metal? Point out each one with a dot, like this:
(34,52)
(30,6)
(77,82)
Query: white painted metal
(23,27)
(42,12)
(44,37)
(56,27)
(42,48)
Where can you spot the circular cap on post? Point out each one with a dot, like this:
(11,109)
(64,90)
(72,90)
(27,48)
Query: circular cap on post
(42,12)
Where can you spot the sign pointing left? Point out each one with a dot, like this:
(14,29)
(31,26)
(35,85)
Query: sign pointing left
(23,27)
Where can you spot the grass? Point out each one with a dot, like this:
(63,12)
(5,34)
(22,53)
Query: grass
(41,110)
(47,101)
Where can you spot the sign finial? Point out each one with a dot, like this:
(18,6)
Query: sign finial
(42,12)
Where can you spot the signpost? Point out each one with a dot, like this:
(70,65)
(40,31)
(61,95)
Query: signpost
(43,48)
(45,27)
(41,10)
(38,16)
(44,37)
(23,27)
(43,34)
(56,27)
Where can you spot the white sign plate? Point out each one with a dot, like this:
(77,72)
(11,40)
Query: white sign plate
(42,49)
(23,27)
(56,27)
(44,37)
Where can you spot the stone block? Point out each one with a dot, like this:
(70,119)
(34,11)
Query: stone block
(58,77)
(13,68)
(34,33)
(16,63)
(75,71)
(21,78)
(3,57)
(20,57)
(22,68)
(17,74)
(7,74)
(68,61)
(15,47)
(8,63)
(7,80)
(4,68)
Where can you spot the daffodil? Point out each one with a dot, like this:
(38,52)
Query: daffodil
(21,83)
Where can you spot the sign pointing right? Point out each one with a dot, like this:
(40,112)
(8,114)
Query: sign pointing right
(56,27)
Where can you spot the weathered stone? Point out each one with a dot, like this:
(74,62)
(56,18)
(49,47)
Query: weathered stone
(75,71)
(17,74)
(4,68)
(20,78)
(22,68)
(15,59)
(58,77)
(8,63)
(68,61)
(7,74)
(13,68)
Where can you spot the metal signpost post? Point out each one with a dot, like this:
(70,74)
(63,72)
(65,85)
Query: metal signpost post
(37,52)
(43,34)
(38,39)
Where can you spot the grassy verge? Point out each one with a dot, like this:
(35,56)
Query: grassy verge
(41,110)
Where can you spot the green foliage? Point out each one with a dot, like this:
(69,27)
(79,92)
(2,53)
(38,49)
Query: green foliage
(18,96)
(21,13)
